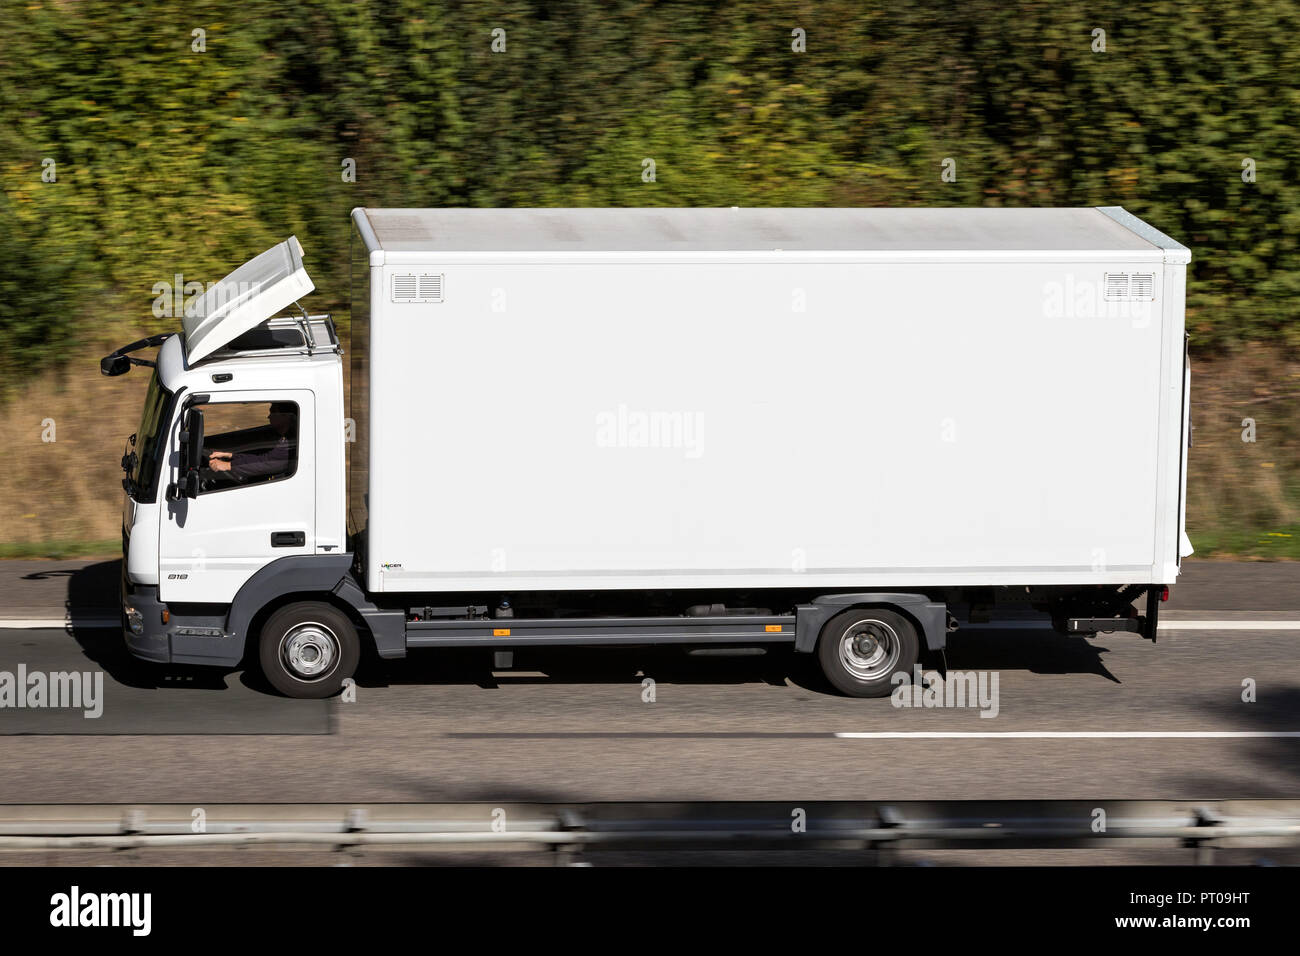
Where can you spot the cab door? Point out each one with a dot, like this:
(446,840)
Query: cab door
(257,498)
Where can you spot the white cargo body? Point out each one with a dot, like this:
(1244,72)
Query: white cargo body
(838,399)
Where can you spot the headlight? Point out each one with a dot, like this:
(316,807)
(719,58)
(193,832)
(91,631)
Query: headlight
(134,620)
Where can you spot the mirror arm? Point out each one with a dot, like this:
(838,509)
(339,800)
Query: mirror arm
(118,361)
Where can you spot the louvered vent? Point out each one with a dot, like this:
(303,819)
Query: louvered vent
(431,288)
(421,287)
(1132,286)
(404,288)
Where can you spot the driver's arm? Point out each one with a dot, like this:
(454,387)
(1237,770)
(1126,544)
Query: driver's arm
(260,464)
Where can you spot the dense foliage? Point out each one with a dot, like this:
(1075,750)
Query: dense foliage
(169,160)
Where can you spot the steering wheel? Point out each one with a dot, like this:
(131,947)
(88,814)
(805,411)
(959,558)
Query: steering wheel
(210,480)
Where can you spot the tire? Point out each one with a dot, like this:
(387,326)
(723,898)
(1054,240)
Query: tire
(308,649)
(862,649)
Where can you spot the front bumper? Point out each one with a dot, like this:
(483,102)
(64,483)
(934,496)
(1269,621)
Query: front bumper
(192,638)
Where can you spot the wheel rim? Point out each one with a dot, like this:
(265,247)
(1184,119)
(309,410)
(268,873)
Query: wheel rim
(869,649)
(310,650)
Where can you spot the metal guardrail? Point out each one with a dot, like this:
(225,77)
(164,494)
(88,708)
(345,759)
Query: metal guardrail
(879,826)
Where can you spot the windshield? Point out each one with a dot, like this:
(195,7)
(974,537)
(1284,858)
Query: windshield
(149,440)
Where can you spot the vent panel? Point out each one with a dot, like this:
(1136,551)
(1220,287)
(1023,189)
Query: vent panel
(417,287)
(1130,286)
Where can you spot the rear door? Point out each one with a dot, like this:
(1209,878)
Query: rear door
(259,507)
(1184,547)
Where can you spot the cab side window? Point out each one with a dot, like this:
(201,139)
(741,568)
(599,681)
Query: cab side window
(248,443)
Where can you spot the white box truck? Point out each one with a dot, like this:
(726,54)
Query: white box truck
(849,430)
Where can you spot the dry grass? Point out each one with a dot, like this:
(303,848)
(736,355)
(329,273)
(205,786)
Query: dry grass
(1244,497)
(65,495)
(68,489)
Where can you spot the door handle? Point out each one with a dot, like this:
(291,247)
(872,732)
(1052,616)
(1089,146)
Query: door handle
(288,539)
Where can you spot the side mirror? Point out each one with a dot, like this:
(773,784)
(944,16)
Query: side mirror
(191,452)
(115,365)
(193,438)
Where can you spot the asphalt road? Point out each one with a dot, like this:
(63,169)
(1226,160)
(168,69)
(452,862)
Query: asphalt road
(575,725)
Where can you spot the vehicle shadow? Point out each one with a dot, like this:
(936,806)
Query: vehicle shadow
(90,594)
(105,648)
(594,665)
(1035,651)
(1276,709)
(92,589)
(1038,651)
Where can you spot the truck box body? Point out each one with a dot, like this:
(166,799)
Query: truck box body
(599,399)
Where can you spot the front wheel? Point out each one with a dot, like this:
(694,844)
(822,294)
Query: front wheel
(863,648)
(308,649)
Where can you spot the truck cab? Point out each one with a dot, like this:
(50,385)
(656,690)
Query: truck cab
(238,463)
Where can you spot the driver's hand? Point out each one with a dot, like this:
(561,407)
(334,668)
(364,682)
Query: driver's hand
(219,455)
(219,464)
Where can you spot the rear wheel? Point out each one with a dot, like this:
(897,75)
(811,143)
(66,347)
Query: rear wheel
(308,649)
(863,648)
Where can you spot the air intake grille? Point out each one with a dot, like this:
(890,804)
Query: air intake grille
(1130,286)
(417,287)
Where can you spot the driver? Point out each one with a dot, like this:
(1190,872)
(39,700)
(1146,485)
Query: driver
(275,462)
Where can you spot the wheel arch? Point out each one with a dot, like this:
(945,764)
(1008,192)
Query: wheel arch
(300,577)
(929,617)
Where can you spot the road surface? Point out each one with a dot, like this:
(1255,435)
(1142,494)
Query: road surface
(578,725)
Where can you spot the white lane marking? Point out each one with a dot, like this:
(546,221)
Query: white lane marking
(1292,625)
(43,623)
(1073,734)
(1230,625)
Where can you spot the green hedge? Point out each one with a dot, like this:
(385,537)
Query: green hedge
(174,161)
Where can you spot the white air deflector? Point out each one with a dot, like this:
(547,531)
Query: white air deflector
(250,295)
(417,287)
(1130,286)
